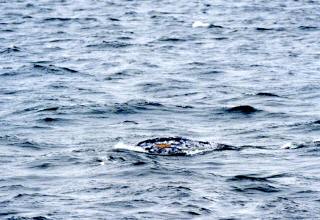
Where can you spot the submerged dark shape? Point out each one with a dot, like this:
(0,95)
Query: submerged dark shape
(267,94)
(245,109)
(171,146)
(215,26)
(48,119)
(49,109)
(264,29)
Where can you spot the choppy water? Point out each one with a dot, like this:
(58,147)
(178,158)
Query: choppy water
(80,77)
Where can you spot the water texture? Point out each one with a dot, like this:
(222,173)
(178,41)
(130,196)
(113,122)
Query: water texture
(79,77)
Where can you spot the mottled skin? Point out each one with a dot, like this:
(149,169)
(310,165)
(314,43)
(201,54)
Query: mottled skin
(170,146)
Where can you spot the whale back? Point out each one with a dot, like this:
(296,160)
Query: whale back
(170,145)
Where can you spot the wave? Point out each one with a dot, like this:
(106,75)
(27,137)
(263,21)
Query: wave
(267,94)
(37,69)
(309,145)
(22,142)
(256,188)
(26,218)
(110,44)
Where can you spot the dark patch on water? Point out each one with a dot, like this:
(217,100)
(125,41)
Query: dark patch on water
(42,166)
(114,19)
(49,109)
(264,29)
(185,106)
(308,27)
(130,122)
(171,39)
(139,163)
(248,178)
(244,109)
(29,218)
(192,213)
(48,119)
(215,26)
(267,94)
(221,38)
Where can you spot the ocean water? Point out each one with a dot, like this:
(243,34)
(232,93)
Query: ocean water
(79,78)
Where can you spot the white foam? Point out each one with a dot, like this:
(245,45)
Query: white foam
(289,145)
(190,152)
(200,24)
(124,146)
(194,152)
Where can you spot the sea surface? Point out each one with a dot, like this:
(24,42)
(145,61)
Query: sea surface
(80,77)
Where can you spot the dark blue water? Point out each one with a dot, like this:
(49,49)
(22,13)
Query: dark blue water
(79,77)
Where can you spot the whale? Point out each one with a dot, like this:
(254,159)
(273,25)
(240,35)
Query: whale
(171,146)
